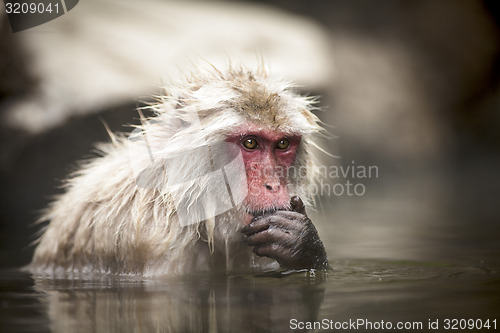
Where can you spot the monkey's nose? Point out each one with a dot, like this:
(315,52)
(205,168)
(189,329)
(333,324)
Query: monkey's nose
(272,187)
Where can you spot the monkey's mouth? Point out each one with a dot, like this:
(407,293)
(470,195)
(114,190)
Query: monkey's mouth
(253,212)
(259,212)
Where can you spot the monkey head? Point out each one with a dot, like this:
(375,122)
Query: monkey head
(261,118)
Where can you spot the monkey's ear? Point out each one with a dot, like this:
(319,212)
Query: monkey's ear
(297,205)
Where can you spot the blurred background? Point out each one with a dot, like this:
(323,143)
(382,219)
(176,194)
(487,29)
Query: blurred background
(411,87)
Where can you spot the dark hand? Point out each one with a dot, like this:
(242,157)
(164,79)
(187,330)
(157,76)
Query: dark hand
(289,237)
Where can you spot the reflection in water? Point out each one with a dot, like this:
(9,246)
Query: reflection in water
(372,290)
(193,304)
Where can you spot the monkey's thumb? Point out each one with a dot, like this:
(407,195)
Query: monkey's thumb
(297,205)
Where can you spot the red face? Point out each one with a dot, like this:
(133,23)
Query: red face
(267,156)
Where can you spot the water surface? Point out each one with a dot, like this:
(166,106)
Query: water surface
(368,290)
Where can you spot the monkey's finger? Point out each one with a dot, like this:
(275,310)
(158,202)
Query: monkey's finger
(269,236)
(273,251)
(297,205)
(292,221)
(254,227)
(290,215)
(288,221)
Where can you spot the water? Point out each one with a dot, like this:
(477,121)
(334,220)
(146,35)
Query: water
(369,290)
(410,251)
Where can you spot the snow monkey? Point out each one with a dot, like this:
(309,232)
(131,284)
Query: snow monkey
(217,180)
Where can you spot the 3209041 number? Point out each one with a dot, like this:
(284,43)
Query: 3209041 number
(470,324)
(30,8)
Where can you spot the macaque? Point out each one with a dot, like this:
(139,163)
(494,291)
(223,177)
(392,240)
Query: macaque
(216,181)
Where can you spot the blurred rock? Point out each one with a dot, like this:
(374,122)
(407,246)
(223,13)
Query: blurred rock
(103,53)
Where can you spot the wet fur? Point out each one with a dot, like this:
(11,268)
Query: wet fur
(105,223)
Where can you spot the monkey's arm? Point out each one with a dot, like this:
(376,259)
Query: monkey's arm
(289,237)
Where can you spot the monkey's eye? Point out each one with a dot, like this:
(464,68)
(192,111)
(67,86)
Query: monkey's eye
(250,143)
(283,144)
